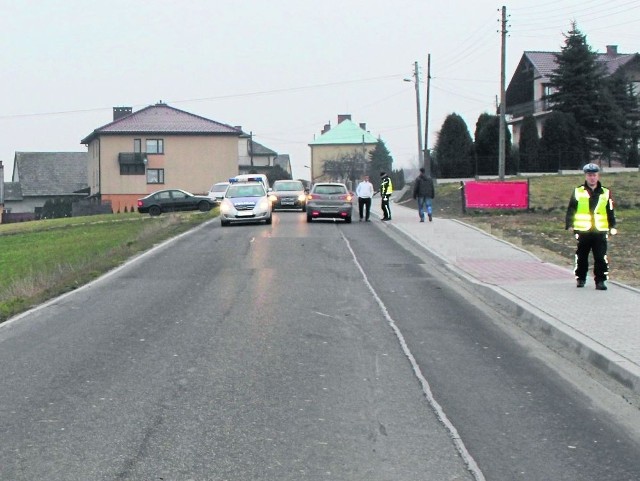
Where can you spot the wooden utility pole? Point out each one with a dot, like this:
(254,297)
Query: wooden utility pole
(501,136)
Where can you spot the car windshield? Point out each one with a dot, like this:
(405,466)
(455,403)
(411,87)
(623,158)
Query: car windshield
(245,191)
(279,186)
(330,189)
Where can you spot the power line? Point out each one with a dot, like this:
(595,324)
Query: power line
(219,97)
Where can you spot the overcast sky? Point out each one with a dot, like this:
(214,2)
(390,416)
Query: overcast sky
(279,68)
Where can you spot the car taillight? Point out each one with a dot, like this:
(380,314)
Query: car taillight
(346,197)
(139,203)
(310,197)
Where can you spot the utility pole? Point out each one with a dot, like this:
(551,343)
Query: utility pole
(501,136)
(427,155)
(416,80)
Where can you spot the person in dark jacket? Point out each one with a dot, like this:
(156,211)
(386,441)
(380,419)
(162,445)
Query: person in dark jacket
(424,192)
(591,217)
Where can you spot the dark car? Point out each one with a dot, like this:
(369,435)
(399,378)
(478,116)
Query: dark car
(170,200)
(288,194)
(329,199)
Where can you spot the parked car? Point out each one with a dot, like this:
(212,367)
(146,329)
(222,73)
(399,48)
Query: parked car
(217,190)
(329,199)
(245,202)
(169,200)
(288,194)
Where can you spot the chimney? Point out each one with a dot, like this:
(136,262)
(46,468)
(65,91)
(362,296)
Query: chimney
(326,128)
(612,50)
(342,117)
(363,126)
(119,112)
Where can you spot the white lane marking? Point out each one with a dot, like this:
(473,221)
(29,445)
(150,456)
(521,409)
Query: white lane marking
(472,466)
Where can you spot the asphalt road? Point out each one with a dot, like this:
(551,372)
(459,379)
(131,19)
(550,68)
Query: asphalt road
(294,352)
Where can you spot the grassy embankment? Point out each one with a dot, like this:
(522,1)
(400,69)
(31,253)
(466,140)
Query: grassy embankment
(541,229)
(42,259)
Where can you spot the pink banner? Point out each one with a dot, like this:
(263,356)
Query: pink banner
(496,195)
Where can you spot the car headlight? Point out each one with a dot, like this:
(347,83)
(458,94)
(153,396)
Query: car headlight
(273,198)
(226,207)
(263,204)
(302,197)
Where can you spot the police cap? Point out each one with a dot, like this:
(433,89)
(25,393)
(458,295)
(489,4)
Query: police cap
(590,168)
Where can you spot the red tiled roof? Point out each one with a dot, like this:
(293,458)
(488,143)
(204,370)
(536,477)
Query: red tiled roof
(163,119)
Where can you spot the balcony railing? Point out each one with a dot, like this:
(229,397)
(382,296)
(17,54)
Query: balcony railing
(132,158)
(529,108)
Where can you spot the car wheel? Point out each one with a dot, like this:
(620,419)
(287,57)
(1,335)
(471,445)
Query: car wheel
(204,206)
(348,219)
(268,221)
(304,208)
(308,217)
(154,210)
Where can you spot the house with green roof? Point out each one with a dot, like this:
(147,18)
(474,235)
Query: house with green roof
(338,143)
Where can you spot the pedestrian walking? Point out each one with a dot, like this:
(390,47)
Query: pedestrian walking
(386,189)
(591,217)
(364,191)
(424,192)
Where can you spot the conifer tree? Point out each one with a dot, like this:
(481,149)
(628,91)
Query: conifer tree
(578,80)
(528,146)
(454,149)
(380,160)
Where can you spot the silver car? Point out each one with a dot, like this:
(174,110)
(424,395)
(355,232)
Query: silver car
(217,190)
(329,199)
(288,194)
(245,202)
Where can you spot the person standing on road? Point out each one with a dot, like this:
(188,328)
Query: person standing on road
(386,189)
(424,192)
(364,191)
(591,217)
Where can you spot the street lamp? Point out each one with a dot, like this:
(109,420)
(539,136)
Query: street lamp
(416,80)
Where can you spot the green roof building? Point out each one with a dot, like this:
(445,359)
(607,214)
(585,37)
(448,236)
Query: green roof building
(340,142)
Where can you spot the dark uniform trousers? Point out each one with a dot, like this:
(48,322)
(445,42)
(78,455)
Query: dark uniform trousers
(596,242)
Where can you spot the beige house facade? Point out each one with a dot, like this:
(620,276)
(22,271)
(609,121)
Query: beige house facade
(158,147)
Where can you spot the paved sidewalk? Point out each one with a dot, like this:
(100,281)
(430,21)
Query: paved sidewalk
(601,326)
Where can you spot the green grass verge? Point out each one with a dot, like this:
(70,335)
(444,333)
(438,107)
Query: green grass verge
(40,260)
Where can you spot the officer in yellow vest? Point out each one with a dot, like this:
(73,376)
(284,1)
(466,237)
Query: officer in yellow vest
(591,217)
(386,189)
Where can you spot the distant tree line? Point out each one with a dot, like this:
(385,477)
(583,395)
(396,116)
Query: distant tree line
(594,116)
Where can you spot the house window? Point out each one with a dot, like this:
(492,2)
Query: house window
(155,146)
(131,169)
(155,176)
(137,145)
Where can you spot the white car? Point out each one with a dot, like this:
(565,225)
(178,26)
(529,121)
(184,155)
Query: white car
(217,190)
(245,202)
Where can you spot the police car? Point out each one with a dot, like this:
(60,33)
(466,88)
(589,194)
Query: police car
(245,200)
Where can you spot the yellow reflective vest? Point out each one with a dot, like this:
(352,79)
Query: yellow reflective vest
(583,221)
(386,187)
